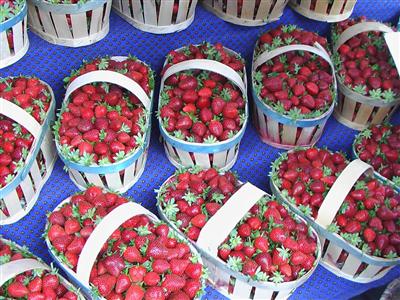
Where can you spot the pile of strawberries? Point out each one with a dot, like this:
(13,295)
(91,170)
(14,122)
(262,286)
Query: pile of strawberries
(201,106)
(15,141)
(268,244)
(103,123)
(35,284)
(364,63)
(8,10)
(367,218)
(141,260)
(298,84)
(379,146)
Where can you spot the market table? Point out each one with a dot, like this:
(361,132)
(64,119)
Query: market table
(52,63)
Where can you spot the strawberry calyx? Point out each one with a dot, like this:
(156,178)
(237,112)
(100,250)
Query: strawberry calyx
(367,219)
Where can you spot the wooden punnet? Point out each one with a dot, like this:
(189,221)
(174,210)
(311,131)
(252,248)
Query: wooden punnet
(72,25)
(145,15)
(355,110)
(13,268)
(38,164)
(357,266)
(252,13)
(96,240)
(118,176)
(282,131)
(222,154)
(324,10)
(232,284)
(12,51)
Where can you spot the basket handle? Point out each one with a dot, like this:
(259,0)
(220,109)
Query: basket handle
(393,42)
(213,234)
(340,189)
(16,267)
(206,65)
(359,28)
(102,232)
(110,77)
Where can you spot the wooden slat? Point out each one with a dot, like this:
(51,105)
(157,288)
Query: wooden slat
(231,155)
(351,265)
(63,30)
(94,179)
(318,133)
(150,12)
(182,11)
(363,114)
(130,173)
(248,9)
(289,135)
(262,122)
(96,21)
(35,172)
(184,157)
(273,130)
(13,203)
(18,36)
(348,109)
(202,160)
(263,9)
(332,252)
(380,115)
(137,10)
(369,271)
(33,18)
(4,47)
(305,136)
(336,7)
(241,290)
(263,294)
(321,7)
(232,7)
(78,177)
(114,181)
(27,189)
(47,23)
(220,159)
(165,15)
(79,25)
(277,10)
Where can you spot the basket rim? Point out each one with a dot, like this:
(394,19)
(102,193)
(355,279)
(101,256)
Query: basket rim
(68,8)
(238,275)
(336,238)
(203,147)
(15,19)
(124,163)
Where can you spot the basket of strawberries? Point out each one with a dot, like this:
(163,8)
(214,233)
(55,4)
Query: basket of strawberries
(294,87)
(379,146)
(247,13)
(368,81)
(157,16)
(27,156)
(25,276)
(324,10)
(354,214)
(252,245)
(202,112)
(70,23)
(13,31)
(115,249)
(103,130)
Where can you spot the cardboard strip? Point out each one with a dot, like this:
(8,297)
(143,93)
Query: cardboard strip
(340,189)
(213,234)
(101,234)
(16,267)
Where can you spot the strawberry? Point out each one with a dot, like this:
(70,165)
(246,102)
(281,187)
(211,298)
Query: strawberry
(105,284)
(206,107)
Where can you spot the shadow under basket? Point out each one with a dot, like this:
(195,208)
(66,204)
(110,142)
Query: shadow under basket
(20,195)
(71,25)
(145,16)
(359,112)
(250,14)
(14,42)
(324,10)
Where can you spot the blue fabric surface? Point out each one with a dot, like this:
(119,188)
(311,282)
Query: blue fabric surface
(52,63)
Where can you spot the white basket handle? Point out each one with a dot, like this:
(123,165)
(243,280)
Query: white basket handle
(102,232)
(316,49)
(359,28)
(110,77)
(207,65)
(16,267)
(226,218)
(393,43)
(19,115)
(340,189)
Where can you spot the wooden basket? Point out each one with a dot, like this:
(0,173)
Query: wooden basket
(96,240)
(357,266)
(324,10)
(13,268)
(232,284)
(281,131)
(144,15)
(355,110)
(72,25)
(222,154)
(35,173)
(122,175)
(17,26)
(250,14)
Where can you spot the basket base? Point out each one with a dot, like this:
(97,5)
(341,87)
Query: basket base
(282,146)
(348,123)
(89,40)
(12,59)
(317,16)
(238,21)
(339,273)
(32,203)
(122,190)
(177,165)
(153,28)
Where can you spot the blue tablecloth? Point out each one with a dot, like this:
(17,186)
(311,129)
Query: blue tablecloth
(52,63)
